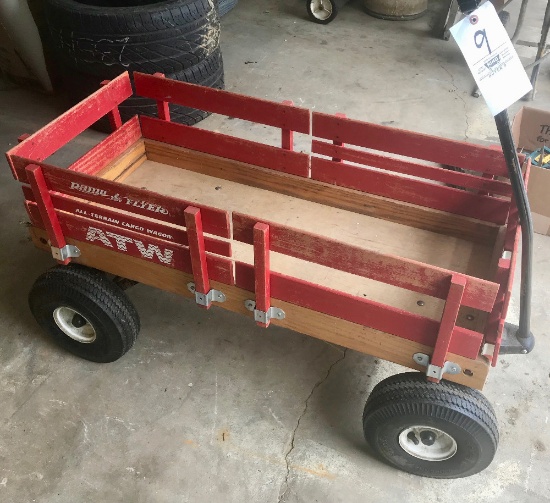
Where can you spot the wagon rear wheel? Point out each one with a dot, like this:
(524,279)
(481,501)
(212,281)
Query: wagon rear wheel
(84,312)
(440,430)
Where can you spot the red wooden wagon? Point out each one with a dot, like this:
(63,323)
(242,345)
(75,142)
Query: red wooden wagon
(375,247)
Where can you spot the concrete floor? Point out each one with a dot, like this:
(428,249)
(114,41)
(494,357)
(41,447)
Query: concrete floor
(208,407)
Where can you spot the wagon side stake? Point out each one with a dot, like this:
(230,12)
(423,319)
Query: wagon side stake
(204,295)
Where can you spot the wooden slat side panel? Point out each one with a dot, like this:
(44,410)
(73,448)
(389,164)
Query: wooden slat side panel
(221,102)
(137,245)
(448,199)
(294,163)
(397,271)
(299,319)
(103,153)
(126,198)
(322,193)
(67,126)
(361,311)
(412,168)
(410,144)
(144,227)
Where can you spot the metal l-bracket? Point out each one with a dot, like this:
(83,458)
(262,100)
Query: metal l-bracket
(68,251)
(206,299)
(434,370)
(264,316)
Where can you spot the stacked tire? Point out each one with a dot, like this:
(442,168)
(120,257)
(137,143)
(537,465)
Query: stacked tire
(95,40)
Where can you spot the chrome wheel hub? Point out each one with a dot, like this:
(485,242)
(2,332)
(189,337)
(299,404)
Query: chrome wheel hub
(427,443)
(321,9)
(74,325)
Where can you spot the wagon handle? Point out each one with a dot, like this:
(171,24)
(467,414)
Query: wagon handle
(511,334)
(515,340)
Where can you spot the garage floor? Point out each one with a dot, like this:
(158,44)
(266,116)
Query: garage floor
(209,407)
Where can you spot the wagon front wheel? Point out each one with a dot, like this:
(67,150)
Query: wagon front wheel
(84,312)
(440,430)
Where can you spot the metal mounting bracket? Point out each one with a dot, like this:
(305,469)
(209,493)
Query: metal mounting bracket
(206,299)
(264,316)
(68,251)
(434,370)
(511,344)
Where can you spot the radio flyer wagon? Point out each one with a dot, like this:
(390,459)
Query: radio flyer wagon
(367,242)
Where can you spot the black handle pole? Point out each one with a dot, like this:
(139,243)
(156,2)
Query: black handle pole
(523,334)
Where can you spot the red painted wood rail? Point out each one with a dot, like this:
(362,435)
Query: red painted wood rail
(40,145)
(287,161)
(411,144)
(129,242)
(46,209)
(114,115)
(162,105)
(262,273)
(448,323)
(408,167)
(394,270)
(132,199)
(287,135)
(145,227)
(257,110)
(193,222)
(358,310)
(336,143)
(110,148)
(430,195)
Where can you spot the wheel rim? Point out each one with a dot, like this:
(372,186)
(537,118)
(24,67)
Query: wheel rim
(321,9)
(74,325)
(427,443)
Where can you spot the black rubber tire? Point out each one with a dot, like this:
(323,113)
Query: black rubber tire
(100,301)
(165,37)
(77,86)
(407,400)
(224,6)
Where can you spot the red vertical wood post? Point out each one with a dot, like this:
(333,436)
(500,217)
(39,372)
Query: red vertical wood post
(338,143)
(23,137)
(489,177)
(448,321)
(287,135)
(262,283)
(193,223)
(162,106)
(114,115)
(46,208)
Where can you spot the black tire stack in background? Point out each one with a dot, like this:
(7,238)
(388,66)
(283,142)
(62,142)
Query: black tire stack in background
(95,40)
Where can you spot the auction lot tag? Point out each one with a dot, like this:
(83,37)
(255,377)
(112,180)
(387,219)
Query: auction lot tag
(492,59)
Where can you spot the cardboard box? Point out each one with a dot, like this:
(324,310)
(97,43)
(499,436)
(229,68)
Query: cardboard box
(531,131)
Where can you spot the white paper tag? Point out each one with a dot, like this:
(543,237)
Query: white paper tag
(492,59)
